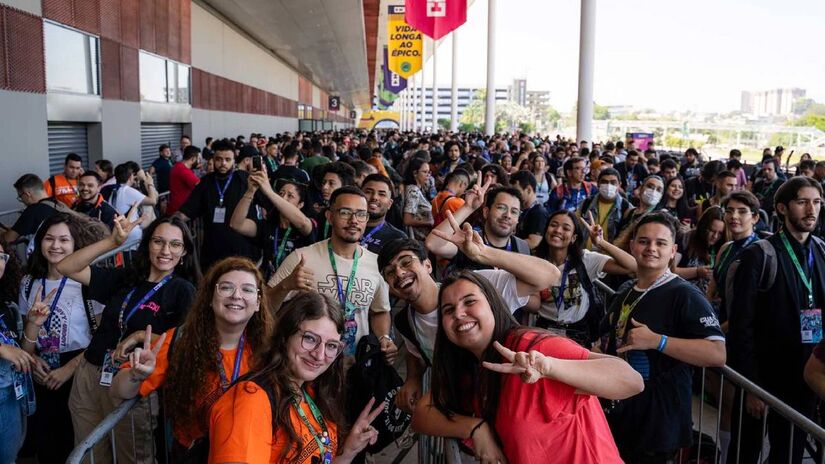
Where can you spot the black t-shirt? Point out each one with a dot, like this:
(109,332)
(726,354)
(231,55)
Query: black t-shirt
(697,191)
(290,172)
(31,217)
(377,240)
(271,229)
(533,221)
(219,240)
(164,310)
(659,418)
(104,212)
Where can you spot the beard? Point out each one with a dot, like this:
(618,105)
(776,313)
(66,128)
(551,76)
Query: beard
(799,223)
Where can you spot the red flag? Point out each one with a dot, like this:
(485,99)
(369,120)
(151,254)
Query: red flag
(435,18)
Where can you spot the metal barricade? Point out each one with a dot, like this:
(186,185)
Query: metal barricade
(11,212)
(436,450)
(114,258)
(104,429)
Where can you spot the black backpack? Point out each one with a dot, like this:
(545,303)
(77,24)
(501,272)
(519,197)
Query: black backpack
(370,377)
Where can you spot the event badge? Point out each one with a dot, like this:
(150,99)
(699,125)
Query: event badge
(19,385)
(350,330)
(220,215)
(108,370)
(810,322)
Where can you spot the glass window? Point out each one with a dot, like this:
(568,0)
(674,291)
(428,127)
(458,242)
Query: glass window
(183,83)
(72,60)
(152,78)
(171,81)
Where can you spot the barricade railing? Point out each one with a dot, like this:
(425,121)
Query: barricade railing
(114,258)
(103,430)
(436,450)
(10,212)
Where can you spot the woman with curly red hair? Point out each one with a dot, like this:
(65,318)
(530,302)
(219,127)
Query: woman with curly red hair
(223,337)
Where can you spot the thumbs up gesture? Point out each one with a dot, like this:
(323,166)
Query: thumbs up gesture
(302,278)
(640,337)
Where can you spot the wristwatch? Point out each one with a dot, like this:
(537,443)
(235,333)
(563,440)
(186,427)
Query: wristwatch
(387,337)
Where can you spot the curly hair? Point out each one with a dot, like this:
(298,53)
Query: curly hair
(82,235)
(193,359)
(328,387)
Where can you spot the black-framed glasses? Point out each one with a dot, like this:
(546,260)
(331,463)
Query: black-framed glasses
(310,341)
(361,214)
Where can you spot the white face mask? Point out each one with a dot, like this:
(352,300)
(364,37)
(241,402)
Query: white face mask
(608,191)
(651,197)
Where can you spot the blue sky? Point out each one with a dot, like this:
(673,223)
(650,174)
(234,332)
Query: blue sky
(667,54)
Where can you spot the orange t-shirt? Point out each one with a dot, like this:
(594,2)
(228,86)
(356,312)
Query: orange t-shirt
(209,395)
(240,430)
(379,166)
(441,204)
(66,189)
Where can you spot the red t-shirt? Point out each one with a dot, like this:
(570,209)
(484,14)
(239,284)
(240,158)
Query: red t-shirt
(547,421)
(181,183)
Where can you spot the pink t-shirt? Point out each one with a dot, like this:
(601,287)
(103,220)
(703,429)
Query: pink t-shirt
(547,421)
(181,183)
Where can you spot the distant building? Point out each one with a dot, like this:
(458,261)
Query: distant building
(518,92)
(775,102)
(465,97)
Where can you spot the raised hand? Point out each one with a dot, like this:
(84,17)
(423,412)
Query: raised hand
(362,433)
(121,353)
(530,366)
(302,278)
(594,229)
(464,237)
(261,180)
(474,197)
(144,360)
(40,309)
(123,225)
(640,337)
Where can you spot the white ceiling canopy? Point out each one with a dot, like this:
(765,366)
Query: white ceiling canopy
(324,40)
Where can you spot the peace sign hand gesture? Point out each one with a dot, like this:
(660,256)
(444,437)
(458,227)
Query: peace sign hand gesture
(123,225)
(474,197)
(530,366)
(40,309)
(144,360)
(464,237)
(362,433)
(594,229)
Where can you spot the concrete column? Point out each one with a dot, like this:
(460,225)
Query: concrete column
(490,110)
(422,98)
(454,86)
(587,48)
(434,108)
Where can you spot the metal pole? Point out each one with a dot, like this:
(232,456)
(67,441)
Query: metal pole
(454,87)
(490,113)
(434,108)
(587,47)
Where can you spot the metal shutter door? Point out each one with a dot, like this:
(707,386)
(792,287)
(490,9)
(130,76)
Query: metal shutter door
(65,138)
(152,136)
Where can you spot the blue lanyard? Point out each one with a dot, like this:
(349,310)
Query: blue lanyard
(563,286)
(368,237)
(53,306)
(222,190)
(6,335)
(236,371)
(509,246)
(124,320)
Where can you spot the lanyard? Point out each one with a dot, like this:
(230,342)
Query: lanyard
(621,324)
(508,247)
(570,194)
(276,258)
(723,260)
(237,369)
(321,438)
(343,296)
(122,321)
(326,230)
(6,336)
(52,307)
(368,237)
(222,190)
(560,296)
(603,220)
(803,276)
(712,258)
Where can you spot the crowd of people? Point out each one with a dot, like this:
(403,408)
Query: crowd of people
(255,282)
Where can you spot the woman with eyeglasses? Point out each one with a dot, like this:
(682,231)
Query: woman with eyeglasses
(15,363)
(291,410)
(223,337)
(418,212)
(155,289)
(515,393)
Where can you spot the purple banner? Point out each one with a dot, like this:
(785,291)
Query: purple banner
(392,81)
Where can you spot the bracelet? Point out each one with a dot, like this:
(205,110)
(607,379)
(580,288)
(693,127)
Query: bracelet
(385,336)
(28,339)
(476,428)
(662,343)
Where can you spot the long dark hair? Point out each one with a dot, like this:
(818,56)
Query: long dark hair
(454,366)
(576,248)
(412,168)
(193,359)
(82,235)
(682,209)
(188,267)
(328,387)
(12,275)
(697,245)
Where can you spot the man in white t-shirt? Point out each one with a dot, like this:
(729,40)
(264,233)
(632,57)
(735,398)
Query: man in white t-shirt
(408,272)
(341,268)
(122,196)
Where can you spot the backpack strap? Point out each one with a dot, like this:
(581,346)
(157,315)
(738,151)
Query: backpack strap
(53,184)
(595,310)
(404,324)
(28,283)
(444,202)
(767,273)
(521,246)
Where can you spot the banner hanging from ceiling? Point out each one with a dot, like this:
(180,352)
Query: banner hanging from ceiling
(405,45)
(392,81)
(435,18)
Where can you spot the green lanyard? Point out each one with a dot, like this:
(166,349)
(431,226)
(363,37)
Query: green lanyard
(342,295)
(806,280)
(326,230)
(321,438)
(280,252)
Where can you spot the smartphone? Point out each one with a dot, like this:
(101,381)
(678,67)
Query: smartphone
(257,163)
